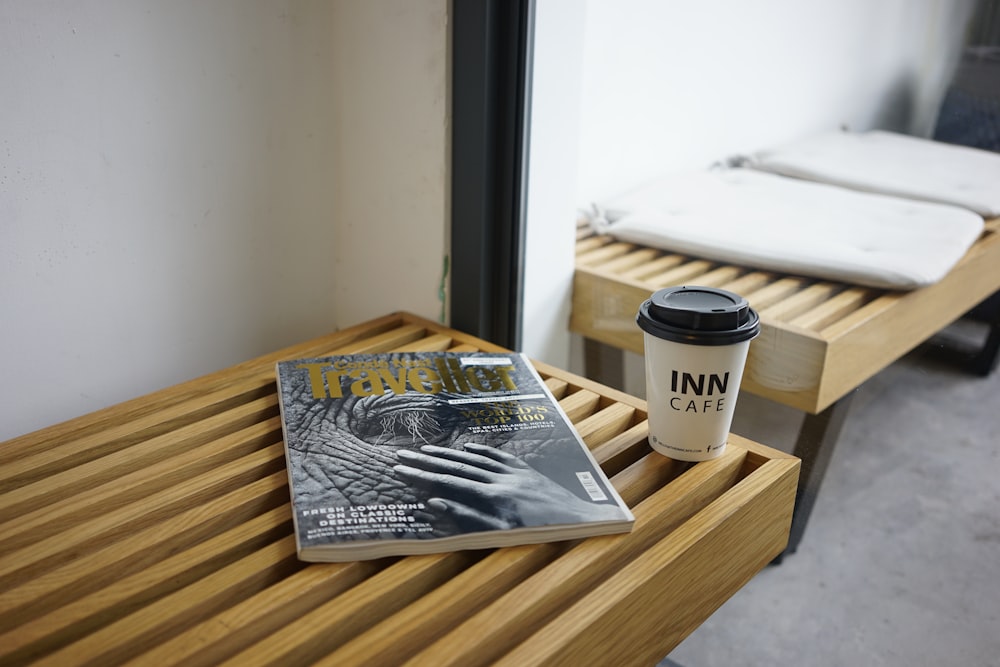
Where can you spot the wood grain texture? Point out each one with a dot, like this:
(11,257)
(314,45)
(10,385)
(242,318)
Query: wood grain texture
(819,339)
(159,532)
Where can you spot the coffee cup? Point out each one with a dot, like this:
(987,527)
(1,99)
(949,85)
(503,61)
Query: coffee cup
(696,341)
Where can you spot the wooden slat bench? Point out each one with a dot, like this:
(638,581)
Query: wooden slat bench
(158,532)
(820,340)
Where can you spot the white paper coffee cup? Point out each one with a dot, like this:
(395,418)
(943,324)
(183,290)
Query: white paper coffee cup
(696,343)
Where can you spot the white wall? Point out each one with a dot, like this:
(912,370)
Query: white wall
(186,185)
(672,85)
(392,125)
(552,178)
(669,86)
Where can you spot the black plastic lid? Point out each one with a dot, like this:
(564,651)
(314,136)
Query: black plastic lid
(698,316)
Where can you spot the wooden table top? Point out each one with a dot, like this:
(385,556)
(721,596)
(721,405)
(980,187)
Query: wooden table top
(158,531)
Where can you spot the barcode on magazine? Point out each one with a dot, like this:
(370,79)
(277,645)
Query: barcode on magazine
(590,486)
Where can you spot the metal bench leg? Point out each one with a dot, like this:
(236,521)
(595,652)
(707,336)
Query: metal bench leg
(817,438)
(981,361)
(985,359)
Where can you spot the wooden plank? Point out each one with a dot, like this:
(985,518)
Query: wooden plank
(802,301)
(657,266)
(487,635)
(590,242)
(71,564)
(836,308)
(640,257)
(604,253)
(396,637)
(58,479)
(606,423)
(578,382)
(70,619)
(558,387)
(749,282)
(43,516)
(189,556)
(146,627)
(433,343)
(390,340)
(780,289)
(786,364)
(879,333)
(720,276)
(340,620)
(605,310)
(841,335)
(209,642)
(623,449)
(689,272)
(580,404)
(627,619)
(212,415)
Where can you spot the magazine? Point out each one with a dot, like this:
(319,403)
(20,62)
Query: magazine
(424,452)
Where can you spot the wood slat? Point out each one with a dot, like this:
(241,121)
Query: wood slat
(580,404)
(393,640)
(605,424)
(652,268)
(794,305)
(719,276)
(839,335)
(343,618)
(51,518)
(687,272)
(638,258)
(65,479)
(782,288)
(73,454)
(749,282)
(121,541)
(604,253)
(146,627)
(486,636)
(213,640)
(170,540)
(590,630)
(65,621)
(835,308)
(591,242)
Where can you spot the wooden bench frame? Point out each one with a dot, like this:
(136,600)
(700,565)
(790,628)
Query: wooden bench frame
(820,340)
(158,531)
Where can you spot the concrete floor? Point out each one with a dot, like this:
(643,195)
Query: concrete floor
(900,562)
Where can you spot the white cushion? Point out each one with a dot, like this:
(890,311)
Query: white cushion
(757,219)
(894,164)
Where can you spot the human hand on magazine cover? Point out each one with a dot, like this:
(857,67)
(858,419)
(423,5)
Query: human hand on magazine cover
(485,487)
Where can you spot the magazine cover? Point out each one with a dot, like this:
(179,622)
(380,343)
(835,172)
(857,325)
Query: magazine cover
(422,452)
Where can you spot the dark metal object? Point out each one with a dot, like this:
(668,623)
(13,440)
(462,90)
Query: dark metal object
(491,77)
(817,438)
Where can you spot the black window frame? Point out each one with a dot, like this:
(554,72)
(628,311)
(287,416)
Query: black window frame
(491,89)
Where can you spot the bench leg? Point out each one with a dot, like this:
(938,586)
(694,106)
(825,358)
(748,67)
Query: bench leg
(981,360)
(604,363)
(985,360)
(814,446)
